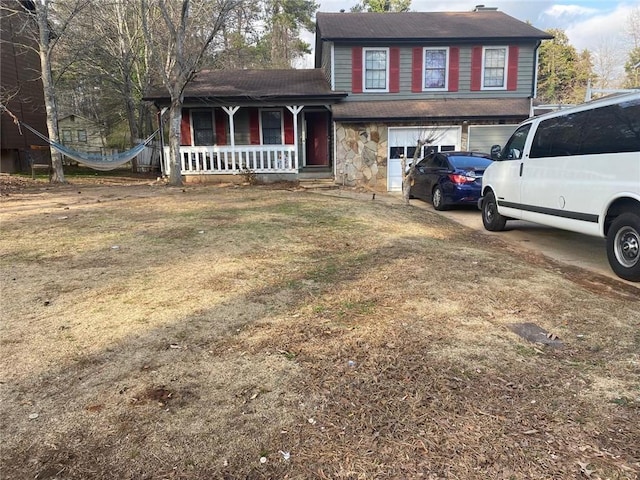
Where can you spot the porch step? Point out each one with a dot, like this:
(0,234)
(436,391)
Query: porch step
(317,183)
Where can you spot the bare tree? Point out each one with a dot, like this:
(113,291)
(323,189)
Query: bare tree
(188,28)
(606,63)
(52,24)
(427,137)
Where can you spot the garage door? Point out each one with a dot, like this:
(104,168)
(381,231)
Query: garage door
(403,141)
(482,137)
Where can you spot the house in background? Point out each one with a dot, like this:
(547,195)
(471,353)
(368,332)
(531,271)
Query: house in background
(22,94)
(81,134)
(381,82)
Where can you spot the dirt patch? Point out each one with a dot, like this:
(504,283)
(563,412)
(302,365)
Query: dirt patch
(232,332)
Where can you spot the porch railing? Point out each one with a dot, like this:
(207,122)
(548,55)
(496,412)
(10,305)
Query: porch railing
(212,160)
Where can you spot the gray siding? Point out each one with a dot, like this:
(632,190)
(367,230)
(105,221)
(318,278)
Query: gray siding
(526,59)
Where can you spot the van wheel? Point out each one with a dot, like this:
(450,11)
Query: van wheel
(437,199)
(623,246)
(491,219)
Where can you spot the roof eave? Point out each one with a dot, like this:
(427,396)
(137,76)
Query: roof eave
(217,100)
(412,40)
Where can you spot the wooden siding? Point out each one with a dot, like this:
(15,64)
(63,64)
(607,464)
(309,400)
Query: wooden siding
(20,78)
(343,68)
(74,124)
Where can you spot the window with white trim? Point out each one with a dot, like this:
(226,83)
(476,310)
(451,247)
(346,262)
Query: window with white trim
(436,68)
(376,69)
(494,68)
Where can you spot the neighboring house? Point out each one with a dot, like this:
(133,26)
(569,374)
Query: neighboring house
(81,134)
(21,92)
(382,81)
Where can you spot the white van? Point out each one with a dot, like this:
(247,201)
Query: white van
(577,169)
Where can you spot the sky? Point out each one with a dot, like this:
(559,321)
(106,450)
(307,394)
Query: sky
(595,25)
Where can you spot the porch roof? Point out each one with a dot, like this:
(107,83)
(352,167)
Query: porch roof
(242,87)
(440,108)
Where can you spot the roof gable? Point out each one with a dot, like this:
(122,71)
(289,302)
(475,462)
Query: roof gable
(424,26)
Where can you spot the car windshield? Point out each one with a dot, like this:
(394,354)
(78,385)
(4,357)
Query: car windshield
(469,162)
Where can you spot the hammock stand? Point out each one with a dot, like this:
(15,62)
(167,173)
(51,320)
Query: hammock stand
(93,160)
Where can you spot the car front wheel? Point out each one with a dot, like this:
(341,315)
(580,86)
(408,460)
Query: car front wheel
(438,199)
(623,246)
(491,219)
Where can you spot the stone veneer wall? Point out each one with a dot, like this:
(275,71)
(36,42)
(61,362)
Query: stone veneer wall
(361,155)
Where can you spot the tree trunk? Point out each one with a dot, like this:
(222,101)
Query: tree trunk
(407,175)
(175,119)
(48,86)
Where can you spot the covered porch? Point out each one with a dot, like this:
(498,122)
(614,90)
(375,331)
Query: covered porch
(274,122)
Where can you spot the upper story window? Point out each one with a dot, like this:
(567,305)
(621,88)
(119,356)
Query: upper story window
(494,68)
(82,136)
(436,66)
(376,69)
(67,137)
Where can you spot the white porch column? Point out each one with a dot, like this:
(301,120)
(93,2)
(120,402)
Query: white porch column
(231,111)
(295,110)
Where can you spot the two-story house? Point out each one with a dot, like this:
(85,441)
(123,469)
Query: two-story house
(463,80)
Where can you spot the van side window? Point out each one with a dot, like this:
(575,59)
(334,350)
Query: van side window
(514,148)
(559,136)
(611,129)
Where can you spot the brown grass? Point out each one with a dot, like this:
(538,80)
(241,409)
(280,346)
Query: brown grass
(162,332)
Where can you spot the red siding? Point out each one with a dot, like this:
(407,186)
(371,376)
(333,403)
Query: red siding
(476,68)
(221,126)
(254,126)
(356,69)
(394,70)
(512,71)
(288,127)
(185,128)
(416,70)
(454,68)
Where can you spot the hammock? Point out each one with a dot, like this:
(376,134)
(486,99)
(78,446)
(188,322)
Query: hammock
(95,160)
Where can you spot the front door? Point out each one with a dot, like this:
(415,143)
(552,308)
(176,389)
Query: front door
(317,144)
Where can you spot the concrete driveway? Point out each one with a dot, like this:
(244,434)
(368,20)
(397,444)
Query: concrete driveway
(567,247)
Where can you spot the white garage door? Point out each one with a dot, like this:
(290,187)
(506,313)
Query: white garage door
(403,141)
(482,137)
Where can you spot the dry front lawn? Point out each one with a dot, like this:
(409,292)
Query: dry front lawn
(220,332)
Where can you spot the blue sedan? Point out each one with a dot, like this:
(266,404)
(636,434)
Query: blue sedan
(449,178)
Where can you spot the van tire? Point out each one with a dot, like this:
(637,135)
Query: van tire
(623,246)
(491,219)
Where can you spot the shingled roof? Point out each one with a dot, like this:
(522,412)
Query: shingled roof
(424,26)
(441,108)
(251,85)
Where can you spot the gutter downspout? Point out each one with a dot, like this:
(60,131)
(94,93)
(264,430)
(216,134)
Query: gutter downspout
(534,89)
